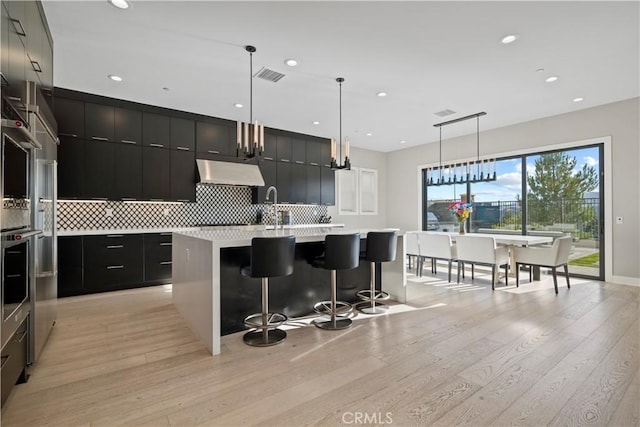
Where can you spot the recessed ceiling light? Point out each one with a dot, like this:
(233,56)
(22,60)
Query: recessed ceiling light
(403,142)
(120,4)
(115,78)
(238,105)
(510,38)
(551,79)
(291,62)
(166,89)
(316,122)
(381,94)
(539,70)
(578,99)
(369,134)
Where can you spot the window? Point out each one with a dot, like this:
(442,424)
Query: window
(357,191)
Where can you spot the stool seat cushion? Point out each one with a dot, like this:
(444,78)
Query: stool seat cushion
(341,252)
(381,246)
(271,257)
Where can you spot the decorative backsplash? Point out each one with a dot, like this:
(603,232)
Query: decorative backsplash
(15,213)
(215,204)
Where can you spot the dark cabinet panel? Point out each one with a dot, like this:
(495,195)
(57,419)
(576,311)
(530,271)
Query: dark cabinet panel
(325,154)
(298,150)
(283,150)
(268,171)
(157,257)
(270,146)
(128,172)
(313,153)
(112,262)
(99,122)
(214,138)
(284,179)
(313,184)
(5,23)
(69,114)
(15,74)
(156,179)
(183,134)
(298,183)
(183,176)
(99,162)
(328,186)
(156,130)
(69,266)
(128,126)
(71,168)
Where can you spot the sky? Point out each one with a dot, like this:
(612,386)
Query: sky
(509,178)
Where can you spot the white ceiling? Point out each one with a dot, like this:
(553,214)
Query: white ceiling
(428,56)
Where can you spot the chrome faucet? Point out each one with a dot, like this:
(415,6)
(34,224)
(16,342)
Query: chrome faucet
(275,205)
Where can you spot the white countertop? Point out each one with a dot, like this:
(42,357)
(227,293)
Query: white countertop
(180,229)
(238,237)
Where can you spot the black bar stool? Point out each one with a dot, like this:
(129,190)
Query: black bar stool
(381,247)
(341,252)
(270,257)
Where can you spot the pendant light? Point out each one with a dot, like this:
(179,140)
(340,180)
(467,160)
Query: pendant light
(250,136)
(337,162)
(455,172)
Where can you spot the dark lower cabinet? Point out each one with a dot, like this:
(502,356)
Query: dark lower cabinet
(70,266)
(71,168)
(183,176)
(156,178)
(112,261)
(14,360)
(157,258)
(99,161)
(127,174)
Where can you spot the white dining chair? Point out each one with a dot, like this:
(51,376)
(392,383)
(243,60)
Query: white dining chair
(437,247)
(413,249)
(484,251)
(552,257)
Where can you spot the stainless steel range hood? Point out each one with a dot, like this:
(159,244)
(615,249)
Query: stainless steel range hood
(227,173)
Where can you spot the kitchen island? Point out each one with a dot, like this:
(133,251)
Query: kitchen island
(214,298)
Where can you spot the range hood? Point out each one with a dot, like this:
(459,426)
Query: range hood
(227,173)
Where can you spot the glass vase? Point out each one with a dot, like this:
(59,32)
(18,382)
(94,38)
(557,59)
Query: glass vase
(462,227)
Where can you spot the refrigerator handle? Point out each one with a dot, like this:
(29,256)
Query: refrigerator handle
(54,210)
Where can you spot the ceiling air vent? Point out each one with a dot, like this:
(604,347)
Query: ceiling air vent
(267,74)
(444,113)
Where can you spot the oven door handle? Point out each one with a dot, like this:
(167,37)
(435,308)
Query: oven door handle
(31,234)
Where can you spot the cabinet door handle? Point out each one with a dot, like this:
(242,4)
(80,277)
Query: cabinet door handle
(115,246)
(13,276)
(17,25)
(268,158)
(128,199)
(114,235)
(128,141)
(299,162)
(166,244)
(166,234)
(157,145)
(182,148)
(313,164)
(156,200)
(166,263)
(183,200)
(36,66)
(5,359)
(285,160)
(99,138)
(115,267)
(100,198)
(73,135)
(213,151)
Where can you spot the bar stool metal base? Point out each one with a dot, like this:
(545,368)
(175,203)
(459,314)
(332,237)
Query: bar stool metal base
(268,321)
(369,308)
(332,323)
(377,295)
(324,307)
(265,337)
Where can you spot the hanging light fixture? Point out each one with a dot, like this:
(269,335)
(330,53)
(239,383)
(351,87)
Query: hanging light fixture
(455,173)
(337,162)
(250,136)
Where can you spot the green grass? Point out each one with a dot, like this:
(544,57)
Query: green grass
(592,260)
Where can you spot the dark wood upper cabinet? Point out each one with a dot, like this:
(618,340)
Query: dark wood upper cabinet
(71,168)
(325,154)
(313,153)
(283,150)
(270,146)
(285,182)
(99,122)
(298,183)
(69,114)
(328,186)
(100,169)
(156,130)
(128,126)
(183,134)
(268,171)
(127,174)
(214,138)
(298,150)
(313,184)
(183,176)
(156,173)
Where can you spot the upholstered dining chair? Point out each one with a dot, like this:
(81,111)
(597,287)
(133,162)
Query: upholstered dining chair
(552,257)
(436,247)
(484,251)
(413,250)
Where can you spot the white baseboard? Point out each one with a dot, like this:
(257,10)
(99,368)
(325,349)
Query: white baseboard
(623,280)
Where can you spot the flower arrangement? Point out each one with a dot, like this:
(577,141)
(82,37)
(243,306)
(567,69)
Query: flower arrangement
(460,210)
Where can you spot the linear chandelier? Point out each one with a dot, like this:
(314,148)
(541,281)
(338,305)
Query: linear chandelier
(337,162)
(250,136)
(479,170)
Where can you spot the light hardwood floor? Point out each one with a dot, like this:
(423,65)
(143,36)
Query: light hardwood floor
(458,358)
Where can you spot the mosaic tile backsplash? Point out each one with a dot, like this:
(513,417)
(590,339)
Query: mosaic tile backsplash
(215,204)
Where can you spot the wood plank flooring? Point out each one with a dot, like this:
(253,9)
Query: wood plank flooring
(455,358)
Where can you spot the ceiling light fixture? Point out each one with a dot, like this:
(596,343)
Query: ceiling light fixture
(403,142)
(369,134)
(316,122)
(551,79)
(115,78)
(120,4)
(578,99)
(455,173)
(238,105)
(250,136)
(510,38)
(291,62)
(337,163)
(381,94)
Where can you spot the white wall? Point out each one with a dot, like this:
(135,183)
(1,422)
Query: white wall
(371,160)
(619,120)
